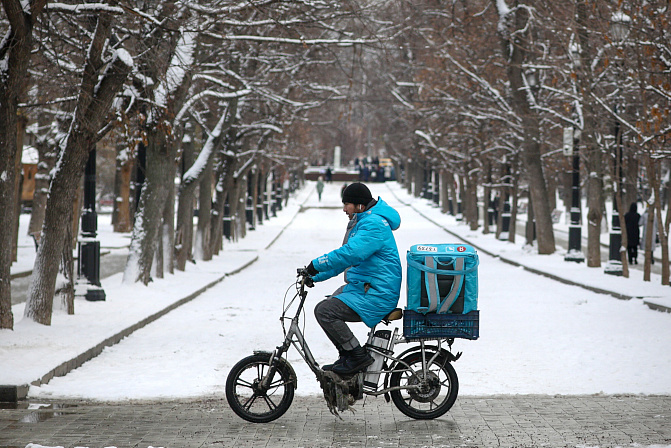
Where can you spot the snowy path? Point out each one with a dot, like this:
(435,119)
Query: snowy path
(537,336)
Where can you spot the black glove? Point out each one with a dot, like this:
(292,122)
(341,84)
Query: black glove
(311,270)
(309,282)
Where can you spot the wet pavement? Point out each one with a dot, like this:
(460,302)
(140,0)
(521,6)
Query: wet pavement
(503,421)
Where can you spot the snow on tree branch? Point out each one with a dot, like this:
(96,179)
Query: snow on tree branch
(84,8)
(283,40)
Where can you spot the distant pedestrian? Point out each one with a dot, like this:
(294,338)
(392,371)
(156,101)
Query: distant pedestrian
(320,187)
(286,186)
(329,174)
(631,220)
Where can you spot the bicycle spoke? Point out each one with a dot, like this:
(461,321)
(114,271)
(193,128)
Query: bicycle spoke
(243,383)
(250,401)
(269,402)
(279,382)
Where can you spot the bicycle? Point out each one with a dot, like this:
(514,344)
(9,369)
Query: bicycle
(421,381)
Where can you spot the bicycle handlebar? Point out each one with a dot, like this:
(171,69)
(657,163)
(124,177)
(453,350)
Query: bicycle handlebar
(305,277)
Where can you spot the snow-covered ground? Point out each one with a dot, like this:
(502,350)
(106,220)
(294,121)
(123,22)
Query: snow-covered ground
(537,336)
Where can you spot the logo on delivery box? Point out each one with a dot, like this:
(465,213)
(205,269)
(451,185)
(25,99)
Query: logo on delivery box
(457,248)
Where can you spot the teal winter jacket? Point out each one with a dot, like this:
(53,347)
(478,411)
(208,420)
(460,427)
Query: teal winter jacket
(369,258)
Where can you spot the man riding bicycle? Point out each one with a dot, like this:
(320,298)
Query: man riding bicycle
(369,258)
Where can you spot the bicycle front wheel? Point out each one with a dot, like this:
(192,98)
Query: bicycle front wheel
(430,393)
(249,399)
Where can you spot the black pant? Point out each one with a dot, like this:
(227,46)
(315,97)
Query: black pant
(632,251)
(332,314)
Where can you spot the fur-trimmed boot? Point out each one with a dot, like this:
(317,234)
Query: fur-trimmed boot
(356,360)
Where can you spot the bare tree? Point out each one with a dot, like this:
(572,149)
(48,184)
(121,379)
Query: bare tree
(101,81)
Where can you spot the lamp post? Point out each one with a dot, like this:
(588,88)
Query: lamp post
(89,248)
(614,264)
(619,29)
(505,205)
(571,138)
(574,252)
(530,230)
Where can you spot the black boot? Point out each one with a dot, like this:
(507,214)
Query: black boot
(356,361)
(340,360)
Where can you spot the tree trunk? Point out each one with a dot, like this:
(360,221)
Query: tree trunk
(233,200)
(647,242)
(186,197)
(15,51)
(254,192)
(203,231)
(531,146)
(48,153)
(409,175)
(454,193)
(225,171)
(149,215)
(630,169)
(595,206)
(529,229)
(240,207)
(65,290)
(123,176)
(487,196)
(168,226)
(653,170)
(618,198)
(217,235)
(444,192)
(418,178)
(514,192)
(472,200)
(18,181)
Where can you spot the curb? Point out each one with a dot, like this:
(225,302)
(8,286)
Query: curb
(617,295)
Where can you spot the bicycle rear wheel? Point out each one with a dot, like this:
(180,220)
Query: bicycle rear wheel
(249,399)
(437,389)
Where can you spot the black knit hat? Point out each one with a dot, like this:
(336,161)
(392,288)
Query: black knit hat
(357,193)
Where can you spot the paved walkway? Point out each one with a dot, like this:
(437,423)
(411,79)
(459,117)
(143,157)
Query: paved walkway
(507,421)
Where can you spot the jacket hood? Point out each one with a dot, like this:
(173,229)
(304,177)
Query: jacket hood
(384,210)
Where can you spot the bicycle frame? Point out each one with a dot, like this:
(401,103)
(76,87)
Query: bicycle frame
(294,336)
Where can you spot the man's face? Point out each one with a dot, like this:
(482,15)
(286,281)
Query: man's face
(351,209)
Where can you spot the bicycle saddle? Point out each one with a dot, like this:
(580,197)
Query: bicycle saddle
(395,314)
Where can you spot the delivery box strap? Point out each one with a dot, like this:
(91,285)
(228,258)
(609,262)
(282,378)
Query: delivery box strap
(456,287)
(430,270)
(432,285)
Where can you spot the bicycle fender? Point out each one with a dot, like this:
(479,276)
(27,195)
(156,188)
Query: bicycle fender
(284,363)
(446,353)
